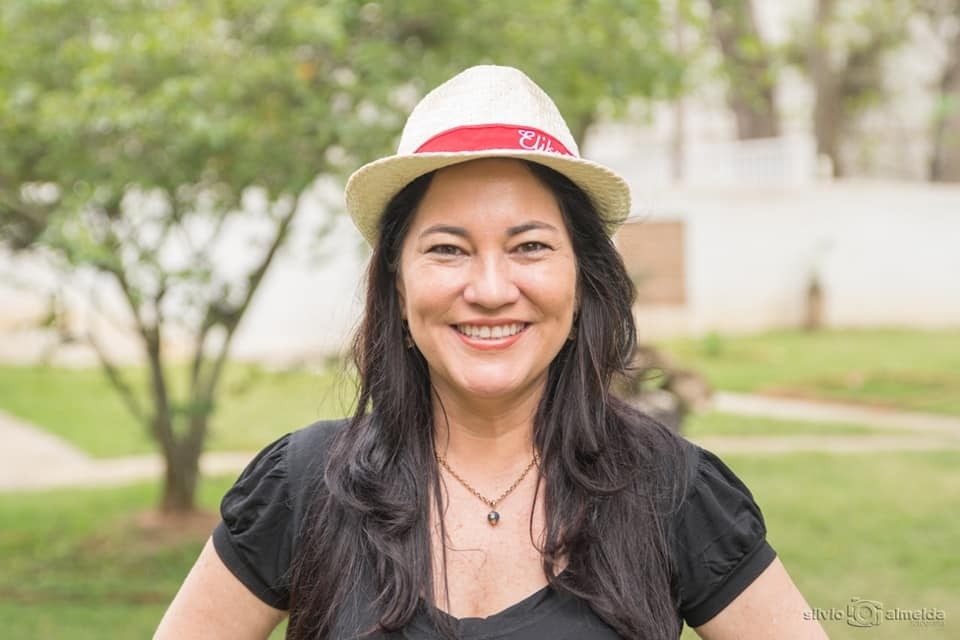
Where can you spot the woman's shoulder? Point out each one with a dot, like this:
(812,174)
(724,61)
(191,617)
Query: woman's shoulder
(293,457)
(718,536)
(687,466)
(716,530)
(262,511)
(318,435)
(311,445)
(708,479)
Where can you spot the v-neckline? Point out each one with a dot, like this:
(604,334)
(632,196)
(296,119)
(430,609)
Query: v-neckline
(523,603)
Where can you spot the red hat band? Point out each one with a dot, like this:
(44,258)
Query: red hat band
(485,137)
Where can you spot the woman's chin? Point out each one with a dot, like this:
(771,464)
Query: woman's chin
(493,389)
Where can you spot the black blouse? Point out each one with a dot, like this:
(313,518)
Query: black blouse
(719,547)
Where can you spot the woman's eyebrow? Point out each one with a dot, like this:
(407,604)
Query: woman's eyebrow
(445,228)
(463,233)
(529,226)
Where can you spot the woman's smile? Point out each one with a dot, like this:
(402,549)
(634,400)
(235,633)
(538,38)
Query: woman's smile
(486,331)
(491,337)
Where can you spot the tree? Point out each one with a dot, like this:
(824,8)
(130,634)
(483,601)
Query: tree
(843,51)
(141,137)
(748,67)
(591,56)
(944,19)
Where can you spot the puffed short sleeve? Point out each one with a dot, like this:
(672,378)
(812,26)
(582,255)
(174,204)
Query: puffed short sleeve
(719,542)
(255,537)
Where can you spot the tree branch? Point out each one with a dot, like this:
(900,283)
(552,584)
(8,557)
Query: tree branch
(151,335)
(205,388)
(118,382)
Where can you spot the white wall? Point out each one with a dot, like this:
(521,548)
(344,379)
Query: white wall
(886,255)
(305,308)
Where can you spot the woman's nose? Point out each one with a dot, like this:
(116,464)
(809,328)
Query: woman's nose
(491,283)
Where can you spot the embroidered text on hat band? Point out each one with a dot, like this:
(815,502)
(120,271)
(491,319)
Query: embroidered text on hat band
(492,136)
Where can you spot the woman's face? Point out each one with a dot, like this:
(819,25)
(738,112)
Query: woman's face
(488,280)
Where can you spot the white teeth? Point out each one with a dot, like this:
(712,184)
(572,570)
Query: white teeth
(486,332)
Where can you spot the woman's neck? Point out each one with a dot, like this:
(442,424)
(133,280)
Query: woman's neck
(485,434)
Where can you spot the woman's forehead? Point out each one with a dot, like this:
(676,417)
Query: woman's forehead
(498,192)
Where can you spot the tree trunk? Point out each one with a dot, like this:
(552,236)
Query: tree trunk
(181,453)
(945,163)
(828,113)
(679,139)
(180,480)
(580,128)
(751,76)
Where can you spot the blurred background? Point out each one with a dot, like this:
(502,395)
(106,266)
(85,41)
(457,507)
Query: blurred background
(179,283)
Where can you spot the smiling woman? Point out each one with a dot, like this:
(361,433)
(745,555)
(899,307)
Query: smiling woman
(489,485)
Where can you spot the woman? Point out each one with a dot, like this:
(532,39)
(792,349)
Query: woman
(489,486)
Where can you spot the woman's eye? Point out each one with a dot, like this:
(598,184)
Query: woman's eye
(531,247)
(446,250)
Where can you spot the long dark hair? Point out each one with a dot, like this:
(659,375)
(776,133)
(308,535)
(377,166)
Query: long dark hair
(612,476)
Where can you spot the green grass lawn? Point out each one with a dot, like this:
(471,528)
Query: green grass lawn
(852,527)
(254,408)
(845,526)
(77,566)
(914,370)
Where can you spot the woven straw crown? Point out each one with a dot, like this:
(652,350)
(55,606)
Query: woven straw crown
(485,111)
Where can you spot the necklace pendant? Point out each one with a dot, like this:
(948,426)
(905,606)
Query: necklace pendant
(493,518)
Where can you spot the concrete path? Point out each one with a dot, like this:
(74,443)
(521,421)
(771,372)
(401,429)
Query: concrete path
(806,410)
(32,459)
(722,445)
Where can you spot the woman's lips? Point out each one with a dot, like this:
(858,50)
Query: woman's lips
(483,336)
(490,331)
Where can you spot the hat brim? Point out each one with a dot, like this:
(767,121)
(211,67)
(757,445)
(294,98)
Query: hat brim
(371,187)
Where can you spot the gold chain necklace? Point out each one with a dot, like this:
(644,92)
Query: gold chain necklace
(494,516)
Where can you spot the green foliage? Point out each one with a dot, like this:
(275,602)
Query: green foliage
(591,56)
(712,345)
(857,35)
(749,66)
(162,95)
(200,100)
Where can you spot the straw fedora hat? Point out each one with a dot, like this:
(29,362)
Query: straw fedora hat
(485,111)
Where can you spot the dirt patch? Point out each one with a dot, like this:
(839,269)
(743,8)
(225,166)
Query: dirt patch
(163,528)
(813,395)
(881,389)
(49,596)
(151,531)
